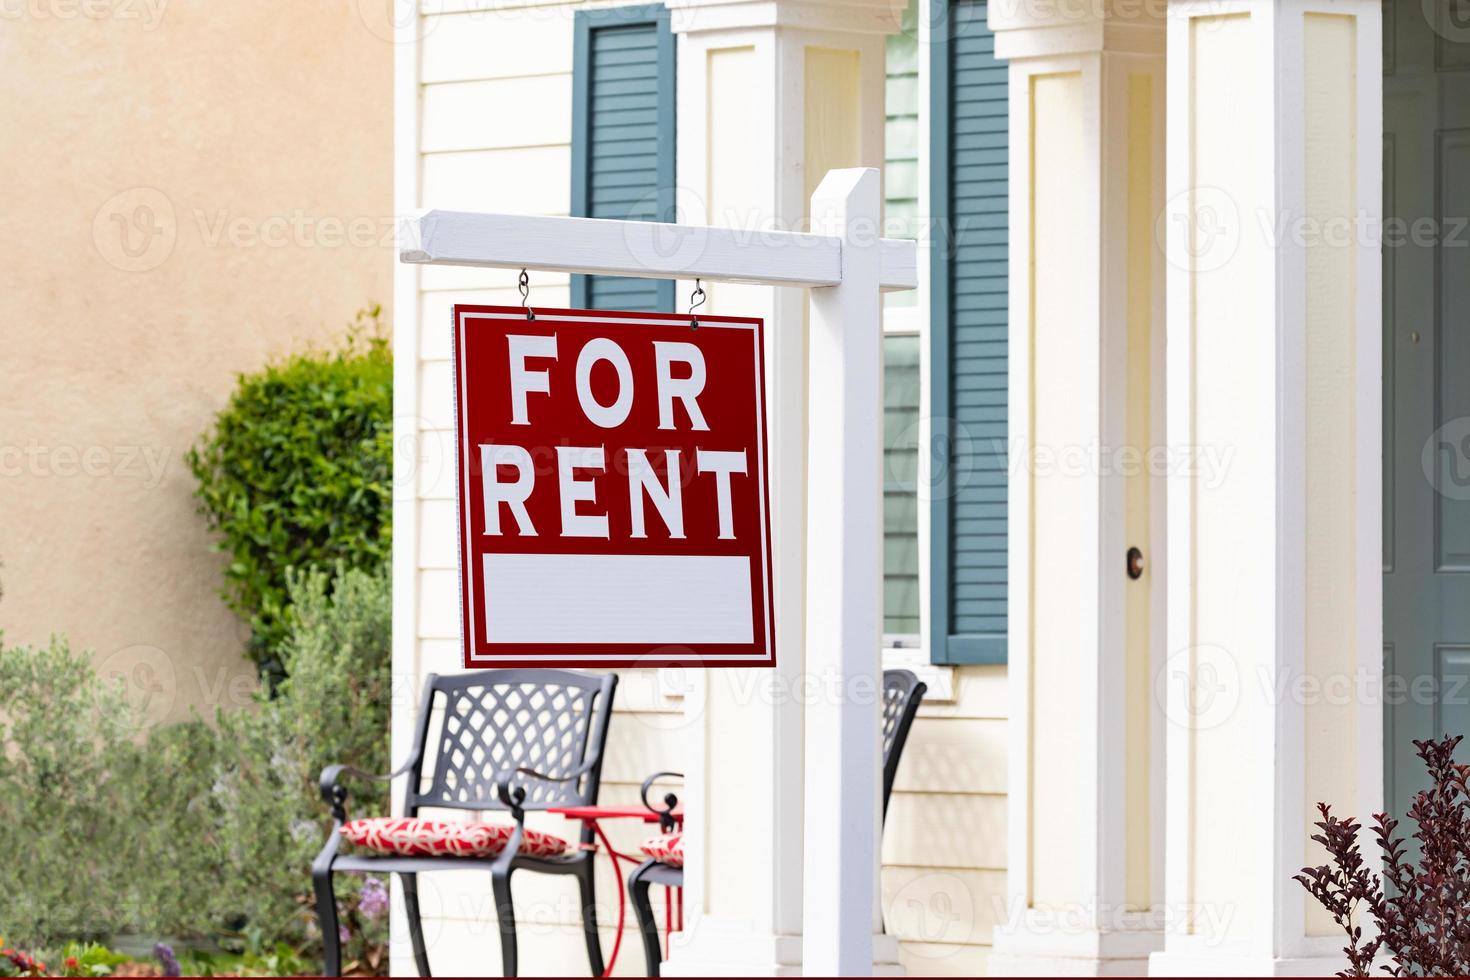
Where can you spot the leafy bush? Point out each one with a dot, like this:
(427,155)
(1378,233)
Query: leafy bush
(296,473)
(194,830)
(61,734)
(333,706)
(112,834)
(167,846)
(1423,915)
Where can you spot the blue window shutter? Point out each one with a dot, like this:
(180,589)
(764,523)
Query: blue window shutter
(623,138)
(969,113)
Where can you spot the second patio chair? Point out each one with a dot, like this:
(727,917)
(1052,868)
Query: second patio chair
(902,694)
(498,740)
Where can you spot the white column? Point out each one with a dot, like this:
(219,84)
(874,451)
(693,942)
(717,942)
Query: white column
(771,96)
(1274,329)
(1086,405)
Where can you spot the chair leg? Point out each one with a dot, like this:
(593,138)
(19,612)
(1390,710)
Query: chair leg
(647,927)
(585,881)
(415,923)
(326,913)
(505,914)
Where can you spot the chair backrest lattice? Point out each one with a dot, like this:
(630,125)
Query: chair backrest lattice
(477,726)
(902,694)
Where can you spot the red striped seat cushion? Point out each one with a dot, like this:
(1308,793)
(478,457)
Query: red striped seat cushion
(666,848)
(412,837)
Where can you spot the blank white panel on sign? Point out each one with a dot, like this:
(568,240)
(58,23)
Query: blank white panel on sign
(660,599)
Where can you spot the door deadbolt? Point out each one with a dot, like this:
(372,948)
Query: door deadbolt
(1135,564)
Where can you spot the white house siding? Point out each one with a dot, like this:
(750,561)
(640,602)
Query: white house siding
(485,124)
(944,845)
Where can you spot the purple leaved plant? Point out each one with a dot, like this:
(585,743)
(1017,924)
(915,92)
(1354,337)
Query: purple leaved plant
(1421,912)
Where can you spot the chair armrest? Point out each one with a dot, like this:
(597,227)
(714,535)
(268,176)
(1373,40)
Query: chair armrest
(665,816)
(513,798)
(334,794)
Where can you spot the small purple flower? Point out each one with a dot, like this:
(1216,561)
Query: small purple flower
(343,935)
(372,902)
(165,954)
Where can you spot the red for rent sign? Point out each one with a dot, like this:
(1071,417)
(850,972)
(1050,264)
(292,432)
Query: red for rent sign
(612,489)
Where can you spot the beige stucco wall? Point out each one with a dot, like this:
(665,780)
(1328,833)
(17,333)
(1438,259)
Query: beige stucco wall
(253,140)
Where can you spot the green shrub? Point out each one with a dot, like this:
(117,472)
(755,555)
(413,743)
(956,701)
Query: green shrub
(61,730)
(191,830)
(103,832)
(296,473)
(333,706)
(167,845)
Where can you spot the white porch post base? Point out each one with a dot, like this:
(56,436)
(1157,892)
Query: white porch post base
(726,948)
(721,946)
(1215,964)
(1039,949)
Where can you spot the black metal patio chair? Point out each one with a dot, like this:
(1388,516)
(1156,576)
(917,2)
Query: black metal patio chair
(508,740)
(903,692)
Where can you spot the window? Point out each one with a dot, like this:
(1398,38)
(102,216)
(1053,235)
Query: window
(623,138)
(901,408)
(969,118)
(901,344)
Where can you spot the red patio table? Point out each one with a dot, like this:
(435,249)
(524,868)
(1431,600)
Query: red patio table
(592,817)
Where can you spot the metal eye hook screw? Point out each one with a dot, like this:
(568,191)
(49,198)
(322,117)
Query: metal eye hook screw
(696,300)
(524,284)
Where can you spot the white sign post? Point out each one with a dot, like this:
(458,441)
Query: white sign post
(846,264)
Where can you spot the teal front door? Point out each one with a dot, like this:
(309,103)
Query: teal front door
(1426,384)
